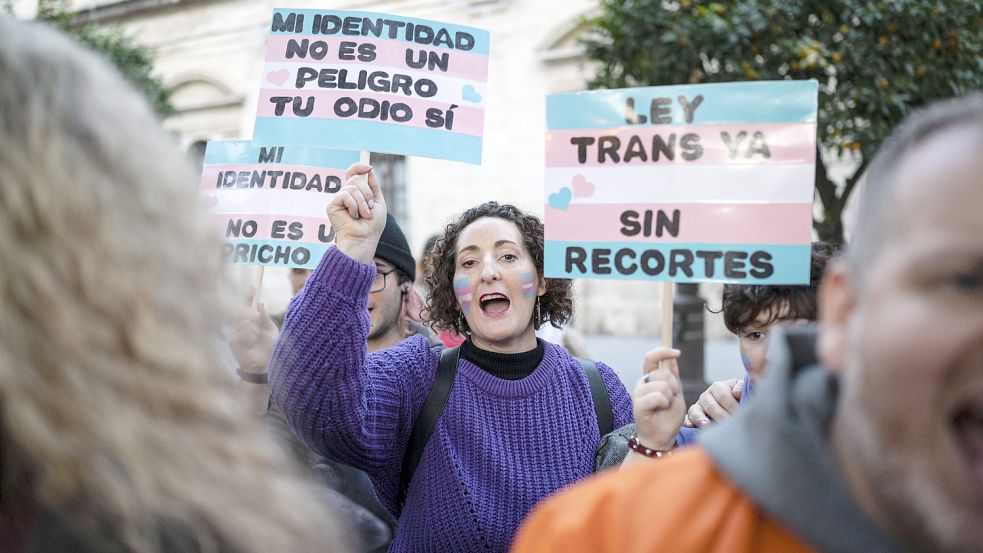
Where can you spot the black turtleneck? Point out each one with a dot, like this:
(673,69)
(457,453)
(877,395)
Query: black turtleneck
(507,366)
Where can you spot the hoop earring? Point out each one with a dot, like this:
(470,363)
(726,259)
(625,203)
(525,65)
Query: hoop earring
(539,314)
(461,322)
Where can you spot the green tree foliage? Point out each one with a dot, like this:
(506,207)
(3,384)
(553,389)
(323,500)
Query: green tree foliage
(875,60)
(133,60)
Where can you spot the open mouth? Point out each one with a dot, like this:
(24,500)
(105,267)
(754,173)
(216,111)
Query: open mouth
(967,425)
(494,304)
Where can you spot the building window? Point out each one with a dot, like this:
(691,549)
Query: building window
(391,172)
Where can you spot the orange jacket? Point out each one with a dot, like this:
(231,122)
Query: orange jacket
(676,504)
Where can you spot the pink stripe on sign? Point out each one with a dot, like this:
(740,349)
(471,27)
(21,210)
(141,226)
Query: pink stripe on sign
(210,174)
(466,120)
(715,145)
(389,54)
(697,223)
(310,227)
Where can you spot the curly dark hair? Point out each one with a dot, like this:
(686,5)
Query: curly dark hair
(742,303)
(556,305)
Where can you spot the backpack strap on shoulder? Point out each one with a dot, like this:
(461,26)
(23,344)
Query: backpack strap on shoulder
(599,395)
(427,419)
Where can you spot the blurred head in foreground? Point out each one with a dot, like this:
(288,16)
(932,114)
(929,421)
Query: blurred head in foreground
(902,324)
(115,421)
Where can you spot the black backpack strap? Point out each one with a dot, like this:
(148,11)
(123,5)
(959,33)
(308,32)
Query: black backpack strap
(599,395)
(427,419)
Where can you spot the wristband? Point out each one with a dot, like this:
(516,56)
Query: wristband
(637,447)
(255,378)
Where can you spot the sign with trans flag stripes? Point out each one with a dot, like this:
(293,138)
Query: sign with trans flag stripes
(685,183)
(375,82)
(269,202)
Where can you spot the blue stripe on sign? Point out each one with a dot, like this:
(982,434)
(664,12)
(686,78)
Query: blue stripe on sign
(242,151)
(723,103)
(303,255)
(228,151)
(354,134)
(790,262)
(481,36)
(318,157)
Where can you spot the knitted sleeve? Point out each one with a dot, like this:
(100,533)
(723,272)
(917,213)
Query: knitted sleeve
(618,395)
(346,404)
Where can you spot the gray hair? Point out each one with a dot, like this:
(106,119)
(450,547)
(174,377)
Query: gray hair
(113,412)
(874,223)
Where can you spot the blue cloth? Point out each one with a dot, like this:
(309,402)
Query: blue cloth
(748,392)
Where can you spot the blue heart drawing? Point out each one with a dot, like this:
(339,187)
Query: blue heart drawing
(561,199)
(469,94)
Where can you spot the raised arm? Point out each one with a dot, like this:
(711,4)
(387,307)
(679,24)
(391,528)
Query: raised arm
(339,400)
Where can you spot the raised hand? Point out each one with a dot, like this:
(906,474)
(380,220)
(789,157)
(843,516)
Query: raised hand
(358,214)
(717,403)
(658,402)
(252,339)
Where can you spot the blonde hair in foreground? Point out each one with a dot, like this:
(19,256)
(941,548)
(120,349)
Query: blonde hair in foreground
(113,409)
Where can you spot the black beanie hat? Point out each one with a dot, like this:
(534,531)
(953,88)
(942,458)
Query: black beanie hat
(394,248)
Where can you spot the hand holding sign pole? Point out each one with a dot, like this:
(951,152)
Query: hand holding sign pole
(358,227)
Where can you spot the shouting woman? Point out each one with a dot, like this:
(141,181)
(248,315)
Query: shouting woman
(520,420)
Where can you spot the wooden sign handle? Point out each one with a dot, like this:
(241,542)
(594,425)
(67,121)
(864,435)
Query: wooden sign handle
(259,287)
(667,314)
(667,326)
(363,159)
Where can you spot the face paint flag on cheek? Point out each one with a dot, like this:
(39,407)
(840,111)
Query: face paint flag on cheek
(528,285)
(462,289)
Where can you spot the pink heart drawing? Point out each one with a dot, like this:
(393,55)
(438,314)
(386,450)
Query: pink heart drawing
(582,188)
(210,201)
(278,77)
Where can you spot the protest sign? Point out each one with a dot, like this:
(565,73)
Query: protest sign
(684,183)
(368,81)
(269,202)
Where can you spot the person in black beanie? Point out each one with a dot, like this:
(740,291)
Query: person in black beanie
(392,289)
(392,303)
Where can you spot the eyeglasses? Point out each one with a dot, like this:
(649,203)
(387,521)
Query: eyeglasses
(379,284)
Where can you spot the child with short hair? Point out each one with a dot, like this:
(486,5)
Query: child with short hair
(750,312)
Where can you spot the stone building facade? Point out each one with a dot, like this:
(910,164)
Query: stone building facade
(210,52)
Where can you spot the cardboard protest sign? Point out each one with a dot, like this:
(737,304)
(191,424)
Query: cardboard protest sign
(270,202)
(368,81)
(682,183)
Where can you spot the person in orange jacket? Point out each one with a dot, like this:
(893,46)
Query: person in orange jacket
(876,447)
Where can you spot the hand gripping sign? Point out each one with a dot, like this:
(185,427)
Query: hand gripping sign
(373,82)
(685,183)
(269,202)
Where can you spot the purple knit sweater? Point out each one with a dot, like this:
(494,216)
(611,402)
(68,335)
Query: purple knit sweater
(499,447)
